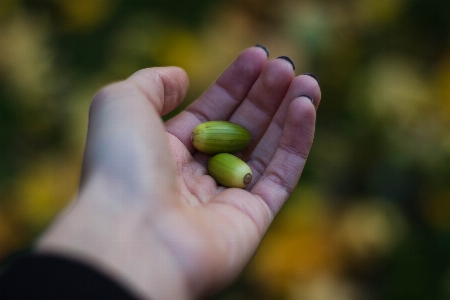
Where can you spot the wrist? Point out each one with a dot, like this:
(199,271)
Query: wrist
(119,245)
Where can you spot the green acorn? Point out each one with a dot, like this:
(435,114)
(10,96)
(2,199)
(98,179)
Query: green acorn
(229,170)
(220,137)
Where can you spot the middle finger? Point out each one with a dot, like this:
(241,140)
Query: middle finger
(258,108)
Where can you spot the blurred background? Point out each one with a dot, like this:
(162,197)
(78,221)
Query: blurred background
(370,218)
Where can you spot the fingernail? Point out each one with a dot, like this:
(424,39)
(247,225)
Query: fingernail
(306,96)
(312,75)
(264,48)
(288,60)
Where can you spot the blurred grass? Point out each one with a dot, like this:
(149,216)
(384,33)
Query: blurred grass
(371,217)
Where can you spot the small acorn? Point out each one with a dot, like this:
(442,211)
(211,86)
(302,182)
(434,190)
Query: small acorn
(229,170)
(220,137)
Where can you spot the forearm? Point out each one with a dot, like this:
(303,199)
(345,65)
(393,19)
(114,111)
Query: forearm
(117,242)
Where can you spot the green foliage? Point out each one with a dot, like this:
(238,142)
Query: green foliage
(371,219)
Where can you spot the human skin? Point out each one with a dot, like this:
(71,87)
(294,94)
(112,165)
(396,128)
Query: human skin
(147,213)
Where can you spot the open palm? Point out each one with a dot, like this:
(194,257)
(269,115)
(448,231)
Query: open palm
(167,227)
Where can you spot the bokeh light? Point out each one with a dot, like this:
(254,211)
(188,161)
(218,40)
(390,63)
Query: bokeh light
(370,218)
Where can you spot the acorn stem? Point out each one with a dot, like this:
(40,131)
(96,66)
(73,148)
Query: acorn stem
(247,178)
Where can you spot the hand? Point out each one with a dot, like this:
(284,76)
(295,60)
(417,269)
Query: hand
(148,213)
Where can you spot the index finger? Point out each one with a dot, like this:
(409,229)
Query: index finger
(222,98)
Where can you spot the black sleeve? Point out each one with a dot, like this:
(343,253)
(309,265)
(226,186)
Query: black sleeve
(54,277)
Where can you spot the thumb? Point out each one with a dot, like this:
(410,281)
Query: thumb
(164,87)
(126,144)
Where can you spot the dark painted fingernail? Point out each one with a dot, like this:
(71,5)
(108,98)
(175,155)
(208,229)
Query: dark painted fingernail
(287,59)
(264,48)
(306,96)
(313,76)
